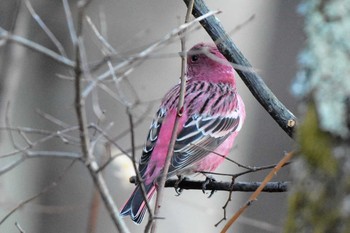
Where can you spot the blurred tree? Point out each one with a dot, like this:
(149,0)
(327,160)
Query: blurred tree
(319,201)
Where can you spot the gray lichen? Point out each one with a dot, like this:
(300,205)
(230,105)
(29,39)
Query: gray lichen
(325,62)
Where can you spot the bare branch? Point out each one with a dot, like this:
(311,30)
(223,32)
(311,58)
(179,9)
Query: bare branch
(39,141)
(241,25)
(229,199)
(271,187)
(53,154)
(254,196)
(34,154)
(52,119)
(6,35)
(145,53)
(70,22)
(90,160)
(138,175)
(108,47)
(179,114)
(43,26)
(19,227)
(12,165)
(43,191)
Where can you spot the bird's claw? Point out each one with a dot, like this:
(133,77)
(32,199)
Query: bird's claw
(179,190)
(207,181)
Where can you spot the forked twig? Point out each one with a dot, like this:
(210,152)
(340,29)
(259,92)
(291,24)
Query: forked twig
(254,196)
(145,53)
(80,69)
(43,26)
(6,35)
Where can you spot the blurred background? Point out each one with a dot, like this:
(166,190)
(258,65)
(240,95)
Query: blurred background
(32,85)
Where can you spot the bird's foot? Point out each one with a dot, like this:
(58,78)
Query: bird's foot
(205,183)
(179,190)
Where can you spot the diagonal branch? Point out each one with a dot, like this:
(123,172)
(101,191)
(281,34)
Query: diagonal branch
(6,35)
(285,118)
(146,52)
(43,191)
(43,26)
(89,158)
(257,192)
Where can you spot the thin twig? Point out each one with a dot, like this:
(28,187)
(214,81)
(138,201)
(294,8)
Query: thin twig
(39,141)
(8,125)
(12,165)
(253,169)
(53,154)
(241,25)
(19,227)
(254,196)
(43,26)
(89,158)
(52,119)
(61,134)
(70,22)
(139,179)
(145,53)
(224,207)
(35,154)
(43,191)
(109,48)
(180,109)
(6,35)
(93,212)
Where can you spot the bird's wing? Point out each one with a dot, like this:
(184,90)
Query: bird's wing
(151,140)
(199,136)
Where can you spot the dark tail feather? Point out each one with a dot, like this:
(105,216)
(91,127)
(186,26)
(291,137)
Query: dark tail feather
(136,206)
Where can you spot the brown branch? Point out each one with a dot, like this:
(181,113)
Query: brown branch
(254,196)
(285,118)
(180,107)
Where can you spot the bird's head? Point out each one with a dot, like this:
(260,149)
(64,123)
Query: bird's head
(205,62)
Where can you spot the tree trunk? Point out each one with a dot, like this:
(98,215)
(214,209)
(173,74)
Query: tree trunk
(319,201)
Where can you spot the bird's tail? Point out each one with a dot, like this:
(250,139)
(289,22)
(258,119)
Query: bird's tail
(136,205)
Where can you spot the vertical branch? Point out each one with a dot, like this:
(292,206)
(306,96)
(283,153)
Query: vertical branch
(90,161)
(176,123)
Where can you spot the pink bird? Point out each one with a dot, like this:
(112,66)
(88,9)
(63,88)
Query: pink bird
(213,115)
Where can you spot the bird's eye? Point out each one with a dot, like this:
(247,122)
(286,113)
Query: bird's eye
(194,57)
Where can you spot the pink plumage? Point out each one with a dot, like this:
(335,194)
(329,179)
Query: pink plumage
(213,115)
